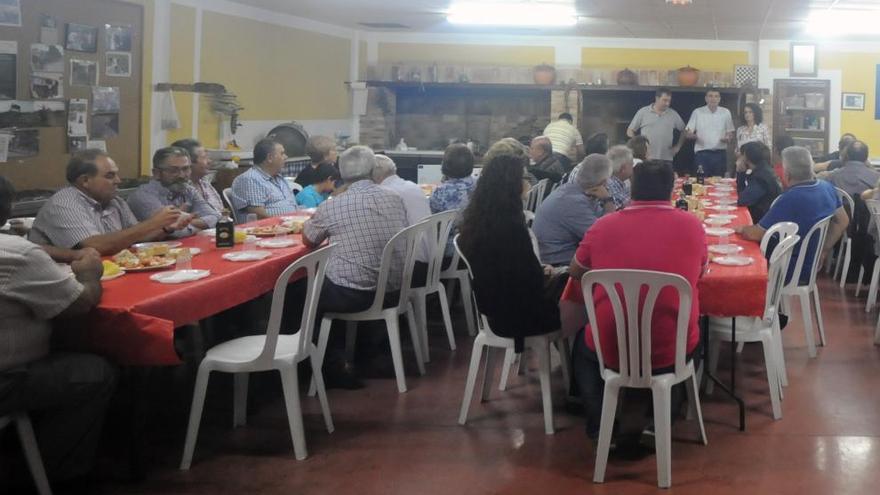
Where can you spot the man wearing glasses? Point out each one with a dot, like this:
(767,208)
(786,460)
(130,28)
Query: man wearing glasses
(171,187)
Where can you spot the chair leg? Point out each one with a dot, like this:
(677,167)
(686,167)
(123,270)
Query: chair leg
(416,337)
(447,319)
(877,333)
(820,322)
(780,356)
(693,391)
(239,400)
(323,337)
(808,324)
(487,373)
(847,259)
(350,340)
(396,354)
(195,417)
(663,434)
(544,375)
(473,369)
(322,391)
(767,343)
(32,454)
(290,384)
(872,289)
(609,410)
(467,302)
(509,358)
(421,320)
(740,346)
(714,353)
(565,361)
(859,281)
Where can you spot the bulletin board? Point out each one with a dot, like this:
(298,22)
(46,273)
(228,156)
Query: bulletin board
(46,169)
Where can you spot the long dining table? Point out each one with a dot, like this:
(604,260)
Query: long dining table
(134,323)
(724,291)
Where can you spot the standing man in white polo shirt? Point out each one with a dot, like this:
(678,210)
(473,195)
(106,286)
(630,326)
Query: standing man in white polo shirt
(657,122)
(566,141)
(712,127)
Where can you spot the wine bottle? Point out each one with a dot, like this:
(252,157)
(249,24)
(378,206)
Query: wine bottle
(225,231)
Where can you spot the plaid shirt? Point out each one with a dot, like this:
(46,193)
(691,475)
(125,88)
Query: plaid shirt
(153,196)
(71,216)
(256,188)
(208,193)
(619,192)
(360,222)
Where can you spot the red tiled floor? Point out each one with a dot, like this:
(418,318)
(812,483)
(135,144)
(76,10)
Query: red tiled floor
(390,443)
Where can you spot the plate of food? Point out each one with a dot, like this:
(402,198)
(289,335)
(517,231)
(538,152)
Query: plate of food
(246,255)
(112,271)
(725,216)
(278,242)
(719,231)
(141,262)
(295,224)
(180,276)
(268,231)
(733,260)
(725,248)
(178,251)
(159,245)
(722,208)
(719,194)
(716,221)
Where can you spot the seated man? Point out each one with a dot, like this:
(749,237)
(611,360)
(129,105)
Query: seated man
(321,150)
(201,165)
(262,190)
(836,159)
(360,222)
(669,240)
(545,165)
(856,175)
(621,159)
(805,202)
(564,217)
(88,213)
(170,187)
(324,183)
(65,394)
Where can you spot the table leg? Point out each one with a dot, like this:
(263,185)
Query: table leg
(731,391)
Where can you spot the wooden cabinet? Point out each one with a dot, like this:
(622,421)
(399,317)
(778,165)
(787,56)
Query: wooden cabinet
(801,110)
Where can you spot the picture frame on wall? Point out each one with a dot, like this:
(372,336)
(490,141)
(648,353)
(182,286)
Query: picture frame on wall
(852,101)
(117,38)
(802,60)
(83,72)
(10,13)
(117,64)
(81,38)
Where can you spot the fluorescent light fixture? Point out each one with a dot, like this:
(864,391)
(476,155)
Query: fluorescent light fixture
(512,14)
(843,22)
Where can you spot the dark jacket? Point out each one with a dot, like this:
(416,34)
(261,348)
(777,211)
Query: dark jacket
(757,191)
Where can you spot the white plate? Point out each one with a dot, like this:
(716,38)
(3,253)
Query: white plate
(278,242)
(180,276)
(728,179)
(208,232)
(247,255)
(724,216)
(193,251)
(733,260)
(726,201)
(716,221)
(112,277)
(722,208)
(145,245)
(166,264)
(719,194)
(719,231)
(725,248)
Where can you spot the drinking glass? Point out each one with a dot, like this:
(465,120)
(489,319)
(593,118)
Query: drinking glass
(184,260)
(250,218)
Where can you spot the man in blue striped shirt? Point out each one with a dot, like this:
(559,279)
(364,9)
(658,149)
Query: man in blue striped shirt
(262,190)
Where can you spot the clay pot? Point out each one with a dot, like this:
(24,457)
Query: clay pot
(627,77)
(688,76)
(544,74)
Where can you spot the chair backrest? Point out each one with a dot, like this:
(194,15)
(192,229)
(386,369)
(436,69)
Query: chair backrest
(776,272)
(437,237)
(530,218)
(633,324)
(482,320)
(536,195)
(873,206)
(315,265)
(848,205)
(400,248)
(782,230)
(816,234)
(227,196)
(295,186)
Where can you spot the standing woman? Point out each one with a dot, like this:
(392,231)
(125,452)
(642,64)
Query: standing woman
(754,128)
(509,281)
(756,182)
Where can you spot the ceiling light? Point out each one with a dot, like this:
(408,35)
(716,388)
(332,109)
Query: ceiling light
(512,14)
(680,2)
(842,22)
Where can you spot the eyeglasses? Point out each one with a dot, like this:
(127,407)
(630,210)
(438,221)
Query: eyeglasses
(176,170)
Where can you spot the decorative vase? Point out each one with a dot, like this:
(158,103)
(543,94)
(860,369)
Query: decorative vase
(688,76)
(544,74)
(627,77)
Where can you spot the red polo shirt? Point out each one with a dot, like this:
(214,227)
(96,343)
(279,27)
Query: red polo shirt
(647,235)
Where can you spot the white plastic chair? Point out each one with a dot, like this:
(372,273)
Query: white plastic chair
(634,354)
(874,209)
(764,329)
(486,338)
(269,352)
(31,449)
(404,244)
(844,251)
(536,195)
(295,186)
(781,230)
(530,218)
(454,274)
(227,195)
(440,224)
(804,292)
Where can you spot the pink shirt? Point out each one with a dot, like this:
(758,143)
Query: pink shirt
(647,235)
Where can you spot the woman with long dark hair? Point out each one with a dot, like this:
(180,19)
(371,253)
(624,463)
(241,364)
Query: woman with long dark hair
(509,281)
(755,180)
(753,128)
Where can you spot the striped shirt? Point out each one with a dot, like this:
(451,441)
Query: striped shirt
(33,290)
(564,137)
(207,191)
(360,222)
(71,216)
(153,196)
(256,188)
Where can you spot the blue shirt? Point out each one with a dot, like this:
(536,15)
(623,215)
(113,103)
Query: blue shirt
(310,198)
(561,222)
(804,204)
(452,194)
(153,196)
(256,188)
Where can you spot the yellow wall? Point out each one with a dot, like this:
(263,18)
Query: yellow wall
(466,54)
(182,66)
(858,71)
(638,58)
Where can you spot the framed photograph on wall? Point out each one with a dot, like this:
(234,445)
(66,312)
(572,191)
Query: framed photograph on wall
(118,64)
(852,101)
(81,38)
(117,38)
(802,60)
(10,13)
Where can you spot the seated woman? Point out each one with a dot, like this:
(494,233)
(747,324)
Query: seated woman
(457,185)
(756,182)
(324,177)
(509,281)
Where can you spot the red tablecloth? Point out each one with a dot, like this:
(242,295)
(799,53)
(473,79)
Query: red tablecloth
(135,321)
(724,290)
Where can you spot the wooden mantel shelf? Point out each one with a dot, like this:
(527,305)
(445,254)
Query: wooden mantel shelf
(541,87)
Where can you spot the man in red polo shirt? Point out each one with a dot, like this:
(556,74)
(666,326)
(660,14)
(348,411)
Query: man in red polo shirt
(649,234)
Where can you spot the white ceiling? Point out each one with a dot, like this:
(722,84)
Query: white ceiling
(704,19)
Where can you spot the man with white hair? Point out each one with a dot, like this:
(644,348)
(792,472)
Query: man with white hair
(545,165)
(621,158)
(360,222)
(570,211)
(805,202)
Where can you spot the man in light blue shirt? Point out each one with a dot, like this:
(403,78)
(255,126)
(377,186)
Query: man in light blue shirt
(262,190)
(171,187)
(563,218)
